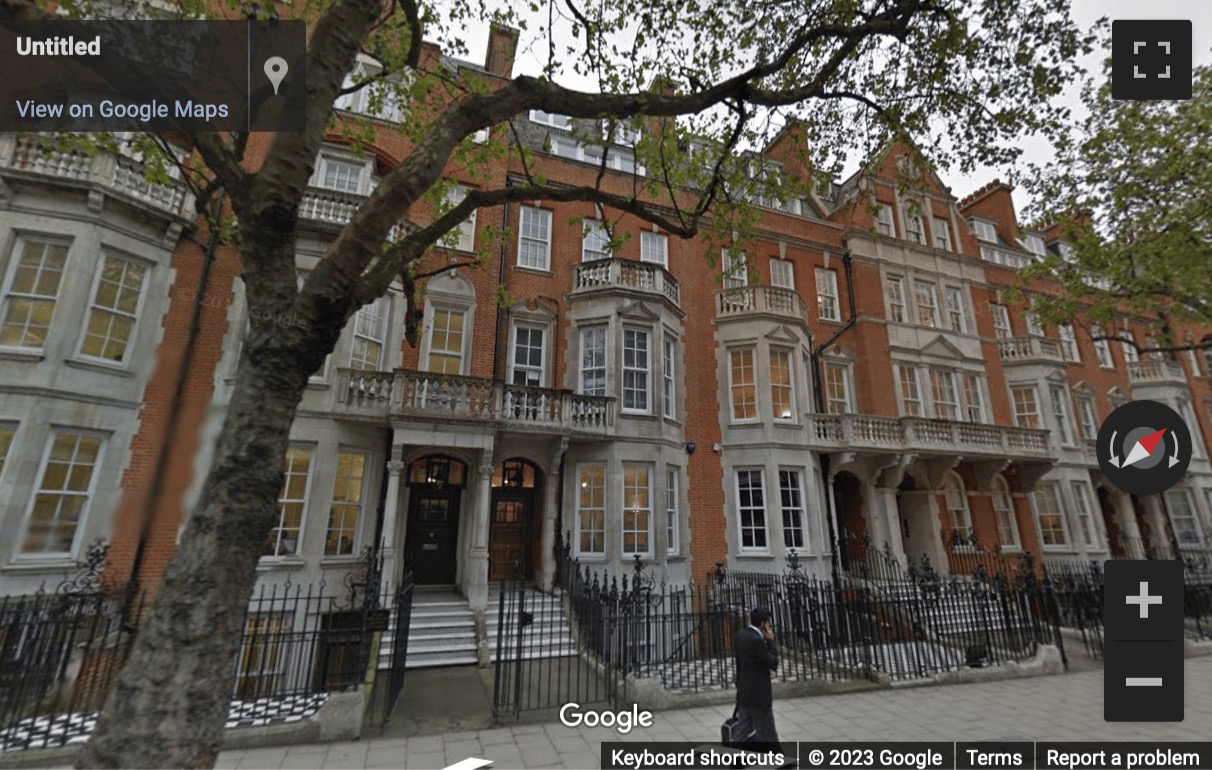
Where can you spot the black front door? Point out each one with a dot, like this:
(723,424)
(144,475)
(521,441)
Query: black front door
(433,535)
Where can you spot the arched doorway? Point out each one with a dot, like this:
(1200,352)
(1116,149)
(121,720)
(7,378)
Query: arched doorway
(852,524)
(435,489)
(513,531)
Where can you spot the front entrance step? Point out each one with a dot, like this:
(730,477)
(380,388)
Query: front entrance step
(442,631)
(548,636)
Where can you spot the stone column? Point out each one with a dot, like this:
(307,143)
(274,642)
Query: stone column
(1159,528)
(476,576)
(546,566)
(393,541)
(892,522)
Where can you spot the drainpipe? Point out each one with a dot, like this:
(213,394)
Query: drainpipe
(174,413)
(496,337)
(818,393)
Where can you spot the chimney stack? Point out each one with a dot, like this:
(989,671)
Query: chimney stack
(502,45)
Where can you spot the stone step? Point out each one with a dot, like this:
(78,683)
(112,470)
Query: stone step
(435,659)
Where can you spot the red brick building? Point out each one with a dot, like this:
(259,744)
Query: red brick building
(857,374)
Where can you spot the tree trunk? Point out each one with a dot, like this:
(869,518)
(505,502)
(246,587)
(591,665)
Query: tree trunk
(172,697)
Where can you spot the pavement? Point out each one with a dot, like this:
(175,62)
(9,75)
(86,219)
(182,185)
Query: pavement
(1066,707)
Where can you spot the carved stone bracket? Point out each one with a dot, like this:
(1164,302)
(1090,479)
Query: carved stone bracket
(985,470)
(892,474)
(1029,474)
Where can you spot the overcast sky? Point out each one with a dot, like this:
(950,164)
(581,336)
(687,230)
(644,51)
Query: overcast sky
(1086,13)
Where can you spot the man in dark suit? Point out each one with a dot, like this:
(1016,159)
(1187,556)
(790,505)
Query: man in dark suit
(756,658)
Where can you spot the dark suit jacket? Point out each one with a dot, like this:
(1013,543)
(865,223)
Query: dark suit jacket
(755,659)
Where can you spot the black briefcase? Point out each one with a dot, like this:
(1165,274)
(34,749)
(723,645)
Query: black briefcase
(736,731)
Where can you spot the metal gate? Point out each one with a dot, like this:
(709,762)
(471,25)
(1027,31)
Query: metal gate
(542,658)
(389,681)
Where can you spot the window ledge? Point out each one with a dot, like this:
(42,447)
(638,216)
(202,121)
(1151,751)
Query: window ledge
(538,270)
(98,366)
(746,424)
(788,424)
(639,415)
(13,354)
(318,385)
(60,565)
(340,561)
(267,563)
(591,558)
(756,555)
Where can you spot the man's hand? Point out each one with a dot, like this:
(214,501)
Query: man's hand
(767,632)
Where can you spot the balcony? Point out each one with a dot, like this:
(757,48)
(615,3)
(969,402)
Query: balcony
(104,172)
(627,274)
(1155,371)
(378,396)
(856,432)
(1030,350)
(334,209)
(760,300)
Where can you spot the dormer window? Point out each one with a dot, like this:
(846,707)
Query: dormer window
(549,119)
(1035,245)
(343,174)
(985,231)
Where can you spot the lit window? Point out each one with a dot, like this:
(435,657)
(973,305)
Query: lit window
(911,398)
(446,342)
(369,328)
(637,509)
(943,393)
(782,273)
(751,509)
(654,247)
(346,510)
(792,501)
(292,503)
(33,291)
(534,244)
(837,389)
(635,370)
(927,303)
(942,234)
(593,361)
(65,486)
(1050,514)
(595,243)
(782,391)
(114,310)
(1003,506)
(743,385)
(895,288)
(6,443)
(1026,406)
(826,295)
(591,509)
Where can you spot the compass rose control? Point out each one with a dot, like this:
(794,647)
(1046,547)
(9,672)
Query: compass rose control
(1144,448)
